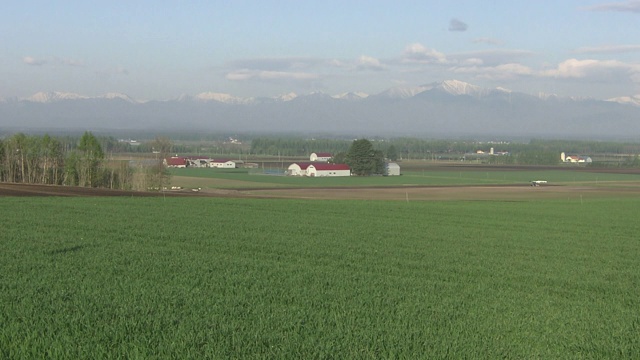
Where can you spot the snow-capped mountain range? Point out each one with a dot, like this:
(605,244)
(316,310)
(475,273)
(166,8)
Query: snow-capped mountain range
(452,87)
(444,108)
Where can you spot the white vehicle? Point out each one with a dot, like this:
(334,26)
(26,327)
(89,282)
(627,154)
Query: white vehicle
(538,182)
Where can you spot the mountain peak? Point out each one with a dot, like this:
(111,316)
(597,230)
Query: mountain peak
(403,92)
(115,95)
(351,96)
(455,87)
(286,97)
(47,97)
(221,97)
(627,100)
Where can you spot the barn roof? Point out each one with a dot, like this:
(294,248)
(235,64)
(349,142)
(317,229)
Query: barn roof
(176,161)
(222,161)
(197,157)
(323,154)
(303,165)
(326,166)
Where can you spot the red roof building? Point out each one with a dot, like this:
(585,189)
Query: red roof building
(176,162)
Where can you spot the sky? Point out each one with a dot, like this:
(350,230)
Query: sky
(157,50)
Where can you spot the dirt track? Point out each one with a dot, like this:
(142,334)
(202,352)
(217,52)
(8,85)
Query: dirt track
(402,193)
(10,189)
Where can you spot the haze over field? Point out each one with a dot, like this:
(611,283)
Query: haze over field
(520,68)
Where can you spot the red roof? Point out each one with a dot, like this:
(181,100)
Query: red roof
(221,161)
(176,161)
(303,165)
(327,166)
(323,154)
(197,157)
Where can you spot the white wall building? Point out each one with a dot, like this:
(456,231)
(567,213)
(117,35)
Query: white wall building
(298,169)
(318,169)
(320,156)
(575,159)
(325,169)
(393,169)
(223,164)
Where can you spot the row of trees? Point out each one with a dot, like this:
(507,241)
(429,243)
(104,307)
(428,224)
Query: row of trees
(414,148)
(48,160)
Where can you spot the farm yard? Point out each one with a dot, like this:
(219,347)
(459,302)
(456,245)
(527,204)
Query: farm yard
(449,264)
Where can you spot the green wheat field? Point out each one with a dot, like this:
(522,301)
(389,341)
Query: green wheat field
(154,278)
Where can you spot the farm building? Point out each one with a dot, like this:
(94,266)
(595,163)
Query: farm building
(393,169)
(320,156)
(176,162)
(298,169)
(318,169)
(199,161)
(325,169)
(575,159)
(223,164)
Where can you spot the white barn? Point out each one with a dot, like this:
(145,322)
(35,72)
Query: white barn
(325,169)
(320,156)
(298,169)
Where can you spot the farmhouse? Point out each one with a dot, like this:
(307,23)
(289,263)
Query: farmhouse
(325,169)
(575,159)
(176,162)
(320,156)
(223,164)
(392,169)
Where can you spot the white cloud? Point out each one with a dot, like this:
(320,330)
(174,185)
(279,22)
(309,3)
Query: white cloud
(418,53)
(489,41)
(369,63)
(247,74)
(492,57)
(472,62)
(69,62)
(500,72)
(276,64)
(29,60)
(625,6)
(600,70)
(608,49)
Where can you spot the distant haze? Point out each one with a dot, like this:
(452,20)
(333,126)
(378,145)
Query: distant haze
(449,108)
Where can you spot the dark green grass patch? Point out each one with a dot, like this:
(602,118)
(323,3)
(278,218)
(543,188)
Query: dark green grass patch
(247,278)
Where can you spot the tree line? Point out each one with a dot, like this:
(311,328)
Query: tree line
(533,152)
(33,159)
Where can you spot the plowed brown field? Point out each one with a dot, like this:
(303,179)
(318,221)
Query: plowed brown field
(408,193)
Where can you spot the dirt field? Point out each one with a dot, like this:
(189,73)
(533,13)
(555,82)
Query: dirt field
(504,193)
(9,189)
(409,193)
